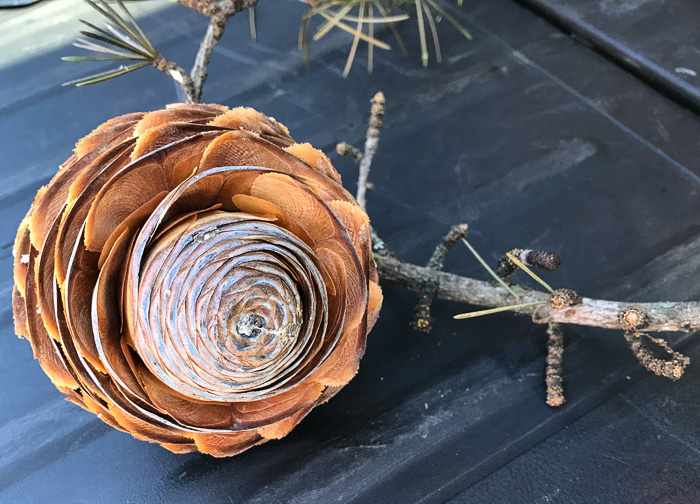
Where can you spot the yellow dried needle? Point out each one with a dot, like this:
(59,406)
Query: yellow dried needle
(527,270)
(331,21)
(355,41)
(479,313)
(488,268)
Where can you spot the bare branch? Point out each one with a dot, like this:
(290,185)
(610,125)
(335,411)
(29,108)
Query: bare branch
(662,316)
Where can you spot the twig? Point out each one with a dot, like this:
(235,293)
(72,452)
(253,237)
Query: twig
(347,150)
(560,306)
(553,371)
(456,233)
(663,316)
(422,319)
(375,123)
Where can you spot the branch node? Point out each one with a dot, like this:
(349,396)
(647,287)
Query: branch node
(564,298)
(178,74)
(162,64)
(633,319)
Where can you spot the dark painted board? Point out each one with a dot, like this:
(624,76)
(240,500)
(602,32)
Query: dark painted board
(653,39)
(660,30)
(641,446)
(615,94)
(502,136)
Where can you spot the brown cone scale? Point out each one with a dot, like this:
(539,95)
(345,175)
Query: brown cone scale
(196,278)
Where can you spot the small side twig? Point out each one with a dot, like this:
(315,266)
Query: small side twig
(633,320)
(422,318)
(371,143)
(456,233)
(377,108)
(347,150)
(553,371)
(672,368)
(548,261)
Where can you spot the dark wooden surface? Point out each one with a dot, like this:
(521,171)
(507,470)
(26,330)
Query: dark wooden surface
(532,137)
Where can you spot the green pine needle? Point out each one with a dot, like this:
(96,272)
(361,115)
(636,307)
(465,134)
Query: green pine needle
(121,39)
(101,58)
(104,76)
(421,33)
(489,269)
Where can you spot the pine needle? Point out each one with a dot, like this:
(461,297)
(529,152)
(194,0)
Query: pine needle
(433,30)
(421,33)
(370,47)
(392,27)
(104,76)
(253,24)
(489,269)
(121,39)
(364,37)
(449,18)
(479,313)
(331,22)
(355,42)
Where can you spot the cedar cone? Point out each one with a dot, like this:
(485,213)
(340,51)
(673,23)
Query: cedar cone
(196,278)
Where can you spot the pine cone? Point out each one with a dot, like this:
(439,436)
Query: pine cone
(196,278)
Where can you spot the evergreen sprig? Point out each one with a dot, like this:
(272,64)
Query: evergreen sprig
(121,40)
